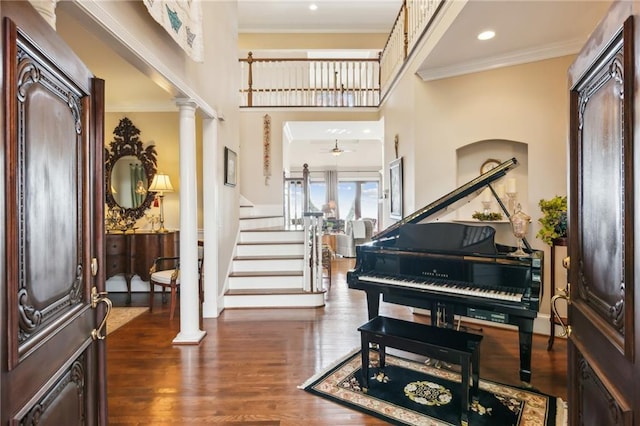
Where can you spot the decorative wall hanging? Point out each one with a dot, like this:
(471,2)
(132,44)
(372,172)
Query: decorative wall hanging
(183,21)
(395,189)
(230,167)
(396,143)
(266,141)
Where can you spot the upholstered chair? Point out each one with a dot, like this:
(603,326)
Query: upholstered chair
(165,272)
(356,232)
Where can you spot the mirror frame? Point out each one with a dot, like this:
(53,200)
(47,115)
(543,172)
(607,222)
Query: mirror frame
(126,142)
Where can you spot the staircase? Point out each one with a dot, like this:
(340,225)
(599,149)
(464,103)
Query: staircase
(268,267)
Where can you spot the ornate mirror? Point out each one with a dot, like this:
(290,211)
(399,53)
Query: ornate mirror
(129,170)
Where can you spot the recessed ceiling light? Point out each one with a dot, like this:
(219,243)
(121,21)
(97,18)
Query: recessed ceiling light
(313,6)
(486,35)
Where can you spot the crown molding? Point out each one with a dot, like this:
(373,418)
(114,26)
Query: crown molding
(142,107)
(516,58)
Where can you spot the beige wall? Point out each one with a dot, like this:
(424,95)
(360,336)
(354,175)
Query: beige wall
(258,41)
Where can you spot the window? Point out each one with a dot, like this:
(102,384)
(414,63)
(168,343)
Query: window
(358,199)
(317,195)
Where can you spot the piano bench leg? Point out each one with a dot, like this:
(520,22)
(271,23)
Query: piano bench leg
(364,350)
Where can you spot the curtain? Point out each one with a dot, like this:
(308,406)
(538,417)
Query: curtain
(331,180)
(138,187)
(183,21)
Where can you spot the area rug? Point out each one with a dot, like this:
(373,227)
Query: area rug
(413,393)
(121,315)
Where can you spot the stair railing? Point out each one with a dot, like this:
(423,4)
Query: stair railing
(292,208)
(296,199)
(312,274)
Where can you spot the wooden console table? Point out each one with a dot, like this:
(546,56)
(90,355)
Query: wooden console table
(133,254)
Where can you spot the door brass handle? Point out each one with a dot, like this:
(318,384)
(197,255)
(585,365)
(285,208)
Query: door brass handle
(96,298)
(94,266)
(566,262)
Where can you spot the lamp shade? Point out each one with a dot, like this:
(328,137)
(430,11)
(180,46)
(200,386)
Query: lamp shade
(161,183)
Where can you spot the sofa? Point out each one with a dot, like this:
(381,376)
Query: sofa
(355,232)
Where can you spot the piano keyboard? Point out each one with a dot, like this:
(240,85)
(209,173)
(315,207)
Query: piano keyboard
(511,295)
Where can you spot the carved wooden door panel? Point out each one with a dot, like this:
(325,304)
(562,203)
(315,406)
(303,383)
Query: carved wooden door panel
(52,365)
(604,374)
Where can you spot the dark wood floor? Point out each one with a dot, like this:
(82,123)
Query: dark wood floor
(247,369)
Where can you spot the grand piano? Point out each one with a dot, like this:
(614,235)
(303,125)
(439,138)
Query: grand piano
(453,269)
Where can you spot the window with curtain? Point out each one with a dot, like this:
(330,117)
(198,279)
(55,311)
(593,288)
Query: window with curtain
(317,194)
(138,184)
(358,199)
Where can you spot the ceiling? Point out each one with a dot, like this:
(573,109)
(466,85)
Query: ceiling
(525,31)
(331,16)
(359,144)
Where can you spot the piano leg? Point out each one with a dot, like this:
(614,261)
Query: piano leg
(373,303)
(525,335)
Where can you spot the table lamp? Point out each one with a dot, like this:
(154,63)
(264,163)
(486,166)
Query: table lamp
(161,184)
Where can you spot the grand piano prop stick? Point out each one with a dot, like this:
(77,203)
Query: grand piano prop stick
(453,268)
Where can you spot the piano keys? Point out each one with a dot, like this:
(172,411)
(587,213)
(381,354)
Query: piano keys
(453,269)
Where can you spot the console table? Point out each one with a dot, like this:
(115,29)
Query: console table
(133,254)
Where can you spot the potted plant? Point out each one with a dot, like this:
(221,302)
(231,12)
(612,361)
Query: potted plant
(554,219)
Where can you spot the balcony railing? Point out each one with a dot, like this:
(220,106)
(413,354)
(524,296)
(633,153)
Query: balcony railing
(303,82)
(310,82)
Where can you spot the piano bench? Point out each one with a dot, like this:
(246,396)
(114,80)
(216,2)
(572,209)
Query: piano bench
(444,344)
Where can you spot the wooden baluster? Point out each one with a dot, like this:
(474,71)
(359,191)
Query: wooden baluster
(405,35)
(250,88)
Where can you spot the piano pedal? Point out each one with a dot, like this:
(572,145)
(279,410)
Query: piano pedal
(436,363)
(466,327)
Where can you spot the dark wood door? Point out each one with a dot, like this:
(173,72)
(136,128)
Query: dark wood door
(604,373)
(53,363)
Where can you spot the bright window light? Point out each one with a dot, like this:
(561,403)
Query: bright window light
(313,6)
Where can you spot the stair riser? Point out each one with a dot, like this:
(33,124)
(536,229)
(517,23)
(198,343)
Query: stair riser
(267,265)
(270,249)
(310,300)
(249,223)
(270,236)
(256,283)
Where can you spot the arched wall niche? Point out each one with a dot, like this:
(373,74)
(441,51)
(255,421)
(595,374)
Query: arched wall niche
(469,159)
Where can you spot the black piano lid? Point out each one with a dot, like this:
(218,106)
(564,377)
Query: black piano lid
(451,201)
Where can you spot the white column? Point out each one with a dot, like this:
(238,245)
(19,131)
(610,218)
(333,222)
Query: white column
(190,332)
(47,9)
(212,306)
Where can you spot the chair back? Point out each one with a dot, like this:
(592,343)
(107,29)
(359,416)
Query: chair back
(361,230)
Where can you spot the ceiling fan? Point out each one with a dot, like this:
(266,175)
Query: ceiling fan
(336,150)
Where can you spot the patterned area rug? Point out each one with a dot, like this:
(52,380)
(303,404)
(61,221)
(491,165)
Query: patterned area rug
(120,316)
(413,393)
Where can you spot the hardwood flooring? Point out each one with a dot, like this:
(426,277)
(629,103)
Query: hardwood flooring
(247,369)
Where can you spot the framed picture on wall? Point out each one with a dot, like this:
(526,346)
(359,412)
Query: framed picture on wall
(230,167)
(395,189)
